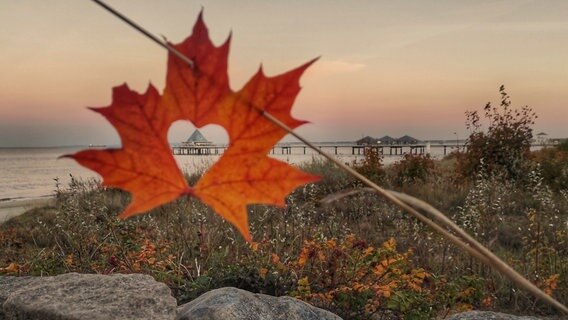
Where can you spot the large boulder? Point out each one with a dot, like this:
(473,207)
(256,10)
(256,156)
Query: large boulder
(233,303)
(85,296)
(488,315)
(8,285)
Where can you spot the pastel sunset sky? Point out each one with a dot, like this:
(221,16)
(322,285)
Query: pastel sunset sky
(386,67)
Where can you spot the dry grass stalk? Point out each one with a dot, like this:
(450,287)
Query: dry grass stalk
(403,201)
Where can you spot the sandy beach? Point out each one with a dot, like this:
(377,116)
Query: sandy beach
(12,208)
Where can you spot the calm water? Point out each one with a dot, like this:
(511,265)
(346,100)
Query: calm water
(30,173)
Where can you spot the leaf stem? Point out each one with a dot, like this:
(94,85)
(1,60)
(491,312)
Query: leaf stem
(403,201)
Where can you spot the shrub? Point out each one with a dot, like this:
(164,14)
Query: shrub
(553,164)
(356,280)
(482,211)
(372,165)
(412,169)
(505,147)
(545,237)
(359,280)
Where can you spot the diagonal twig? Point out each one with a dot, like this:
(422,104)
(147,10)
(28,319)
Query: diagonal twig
(403,201)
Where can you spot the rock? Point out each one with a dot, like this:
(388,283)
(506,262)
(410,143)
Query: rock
(488,315)
(233,303)
(136,296)
(9,285)
(85,296)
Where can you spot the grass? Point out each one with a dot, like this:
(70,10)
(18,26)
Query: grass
(391,265)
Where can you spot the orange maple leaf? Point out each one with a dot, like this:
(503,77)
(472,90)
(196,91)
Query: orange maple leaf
(200,93)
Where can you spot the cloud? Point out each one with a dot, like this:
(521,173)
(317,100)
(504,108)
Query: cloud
(323,68)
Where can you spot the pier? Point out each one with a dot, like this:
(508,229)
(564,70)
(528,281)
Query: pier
(198,145)
(336,149)
(341,148)
(198,150)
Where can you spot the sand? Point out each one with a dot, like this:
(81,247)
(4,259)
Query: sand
(9,209)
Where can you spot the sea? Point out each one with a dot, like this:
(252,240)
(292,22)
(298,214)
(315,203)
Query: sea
(28,173)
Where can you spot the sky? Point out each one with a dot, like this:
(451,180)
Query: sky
(386,67)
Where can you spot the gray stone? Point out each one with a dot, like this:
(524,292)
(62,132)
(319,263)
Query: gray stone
(86,296)
(9,285)
(488,315)
(233,303)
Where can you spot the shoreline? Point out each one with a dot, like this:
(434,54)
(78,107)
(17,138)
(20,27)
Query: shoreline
(24,198)
(10,208)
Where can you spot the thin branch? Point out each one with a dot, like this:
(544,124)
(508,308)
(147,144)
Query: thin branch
(474,248)
(139,28)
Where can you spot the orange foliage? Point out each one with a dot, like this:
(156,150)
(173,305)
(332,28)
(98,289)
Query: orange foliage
(354,273)
(551,284)
(12,268)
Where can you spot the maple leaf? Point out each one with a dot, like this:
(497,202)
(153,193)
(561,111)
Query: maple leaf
(200,93)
